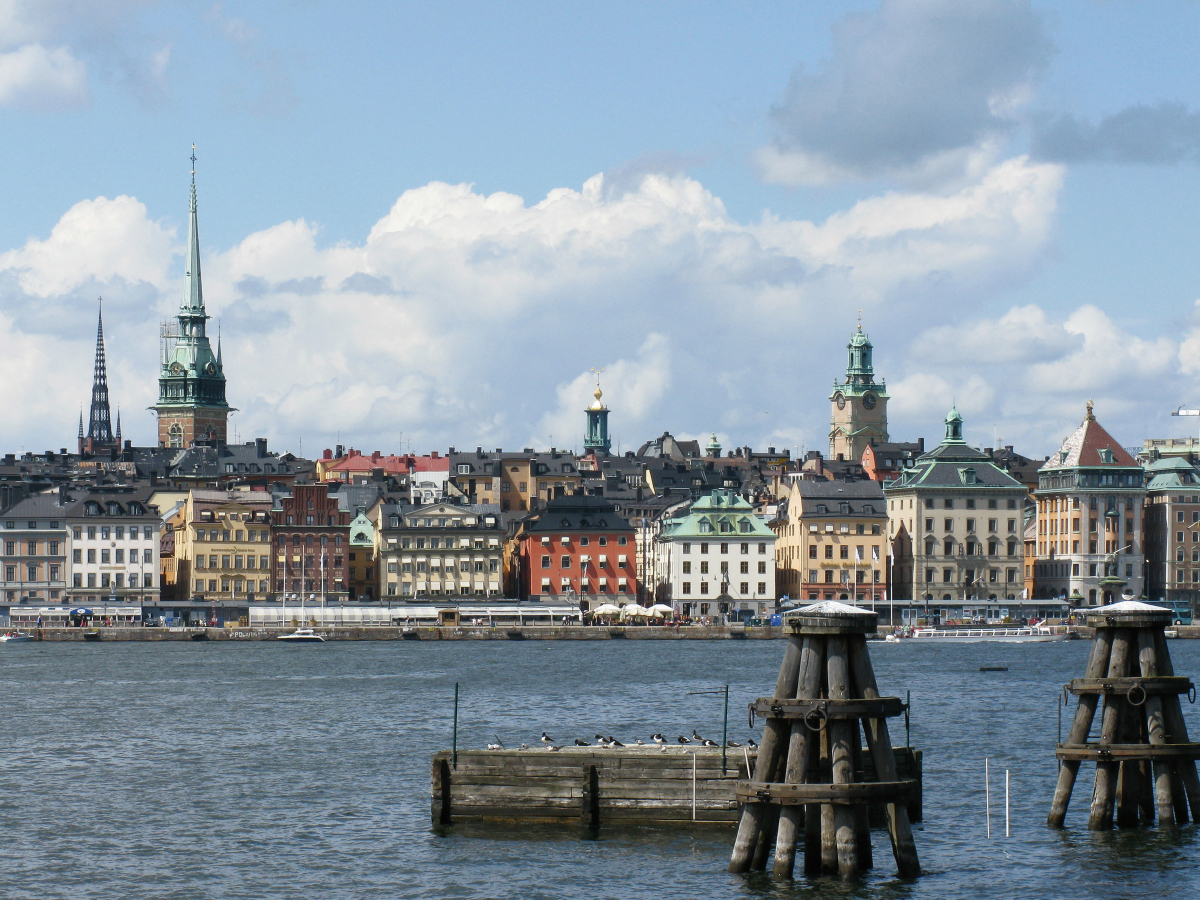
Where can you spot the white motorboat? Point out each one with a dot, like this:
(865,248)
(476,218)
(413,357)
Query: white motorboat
(15,637)
(302,636)
(1022,634)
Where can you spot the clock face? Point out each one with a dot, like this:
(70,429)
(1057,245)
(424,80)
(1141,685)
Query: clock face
(176,368)
(869,400)
(210,369)
(840,400)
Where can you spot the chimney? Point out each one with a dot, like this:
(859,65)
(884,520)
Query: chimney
(63,496)
(433,454)
(328,454)
(260,447)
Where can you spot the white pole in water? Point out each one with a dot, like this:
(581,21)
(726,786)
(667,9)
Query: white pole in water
(746,757)
(987,795)
(1007,832)
(693,785)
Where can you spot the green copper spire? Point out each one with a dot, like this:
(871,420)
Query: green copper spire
(193,301)
(954,425)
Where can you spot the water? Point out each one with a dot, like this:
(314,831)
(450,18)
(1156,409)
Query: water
(179,770)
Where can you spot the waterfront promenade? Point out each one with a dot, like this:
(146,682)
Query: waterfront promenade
(427,633)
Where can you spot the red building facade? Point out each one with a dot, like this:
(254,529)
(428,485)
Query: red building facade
(578,550)
(310,539)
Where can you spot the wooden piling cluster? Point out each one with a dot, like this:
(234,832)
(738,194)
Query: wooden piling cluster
(1145,764)
(809,772)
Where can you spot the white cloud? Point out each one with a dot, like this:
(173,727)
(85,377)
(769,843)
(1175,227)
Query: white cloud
(465,318)
(34,77)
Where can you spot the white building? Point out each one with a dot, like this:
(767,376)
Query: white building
(113,539)
(717,558)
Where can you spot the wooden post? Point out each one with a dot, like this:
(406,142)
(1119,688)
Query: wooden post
(879,743)
(589,804)
(440,806)
(750,826)
(812,817)
(1101,817)
(862,824)
(1156,730)
(1177,729)
(1080,727)
(842,755)
(812,660)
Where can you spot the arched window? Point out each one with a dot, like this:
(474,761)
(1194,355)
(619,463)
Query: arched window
(175,435)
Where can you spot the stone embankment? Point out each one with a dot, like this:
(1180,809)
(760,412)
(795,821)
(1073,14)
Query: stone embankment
(427,633)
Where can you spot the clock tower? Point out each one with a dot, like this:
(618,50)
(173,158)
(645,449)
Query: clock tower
(859,405)
(191,384)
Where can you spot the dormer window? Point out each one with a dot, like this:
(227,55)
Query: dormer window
(1106,455)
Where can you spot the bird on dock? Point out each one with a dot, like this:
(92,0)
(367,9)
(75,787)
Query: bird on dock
(554,747)
(696,737)
(733,744)
(495,746)
(683,740)
(707,743)
(750,743)
(601,740)
(639,742)
(658,738)
(580,742)
(523,747)
(613,742)
(546,739)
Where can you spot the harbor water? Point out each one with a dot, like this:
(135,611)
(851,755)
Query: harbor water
(225,770)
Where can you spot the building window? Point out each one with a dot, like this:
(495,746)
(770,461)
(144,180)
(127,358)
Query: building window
(687,587)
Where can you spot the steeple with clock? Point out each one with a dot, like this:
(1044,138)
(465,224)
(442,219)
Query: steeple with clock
(859,411)
(191,385)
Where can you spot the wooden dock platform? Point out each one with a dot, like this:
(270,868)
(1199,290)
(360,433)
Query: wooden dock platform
(590,787)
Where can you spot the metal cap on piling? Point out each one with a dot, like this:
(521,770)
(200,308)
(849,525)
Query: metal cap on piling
(1129,614)
(831,617)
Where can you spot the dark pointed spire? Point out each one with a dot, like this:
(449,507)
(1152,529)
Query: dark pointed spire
(100,417)
(81,423)
(118,426)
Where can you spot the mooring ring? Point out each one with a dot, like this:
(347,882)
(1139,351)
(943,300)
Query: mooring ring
(1191,693)
(822,716)
(1137,687)
(751,716)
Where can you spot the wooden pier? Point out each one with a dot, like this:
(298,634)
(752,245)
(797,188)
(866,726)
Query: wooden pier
(594,787)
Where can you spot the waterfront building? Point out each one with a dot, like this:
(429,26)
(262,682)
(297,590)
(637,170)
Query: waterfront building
(114,538)
(515,481)
(576,549)
(222,545)
(99,437)
(832,541)
(310,537)
(441,550)
(859,413)
(1090,506)
(954,522)
(363,579)
(191,386)
(717,557)
(1172,530)
(34,561)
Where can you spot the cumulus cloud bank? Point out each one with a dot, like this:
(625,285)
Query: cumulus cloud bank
(466,317)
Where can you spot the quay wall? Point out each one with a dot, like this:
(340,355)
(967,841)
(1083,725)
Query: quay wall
(428,633)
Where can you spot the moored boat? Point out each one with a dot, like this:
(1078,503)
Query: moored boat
(1016,634)
(15,637)
(302,636)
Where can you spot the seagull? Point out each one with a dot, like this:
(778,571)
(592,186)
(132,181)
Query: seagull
(495,746)
(696,736)
(553,747)
(580,742)
(639,742)
(733,744)
(613,742)
(658,738)
(683,740)
(546,739)
(524,747)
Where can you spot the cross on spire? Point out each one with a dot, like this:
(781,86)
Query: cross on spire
(193,165)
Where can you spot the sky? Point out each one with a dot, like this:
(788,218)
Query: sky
(424,225)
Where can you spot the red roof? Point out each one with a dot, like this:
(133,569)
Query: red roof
(1083,448)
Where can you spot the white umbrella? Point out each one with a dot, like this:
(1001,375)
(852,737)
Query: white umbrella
(632,610)
(606,609)
(661,609)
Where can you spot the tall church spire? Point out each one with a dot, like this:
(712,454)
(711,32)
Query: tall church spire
(193,300)
(99,432)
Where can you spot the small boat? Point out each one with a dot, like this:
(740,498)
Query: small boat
(15,637)
(302,636)
(1023,634)
(93,635)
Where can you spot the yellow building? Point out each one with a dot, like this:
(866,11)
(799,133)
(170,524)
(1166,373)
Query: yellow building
(222,545)
(831,542)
